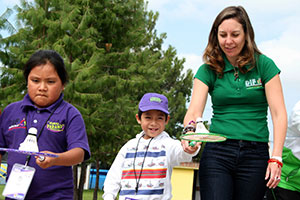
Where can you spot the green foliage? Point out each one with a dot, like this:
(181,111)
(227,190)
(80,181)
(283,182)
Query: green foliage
(113,56)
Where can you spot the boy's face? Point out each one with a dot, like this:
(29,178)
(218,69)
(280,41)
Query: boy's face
(153,122)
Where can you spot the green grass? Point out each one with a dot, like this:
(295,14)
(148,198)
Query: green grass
(87,194)
(1,190)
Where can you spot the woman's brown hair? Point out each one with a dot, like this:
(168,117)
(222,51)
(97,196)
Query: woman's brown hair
(213,54)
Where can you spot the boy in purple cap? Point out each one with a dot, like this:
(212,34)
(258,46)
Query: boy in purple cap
(143,167)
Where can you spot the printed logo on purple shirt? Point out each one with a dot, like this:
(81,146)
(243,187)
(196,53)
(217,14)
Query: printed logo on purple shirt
(21,124)
(55,126)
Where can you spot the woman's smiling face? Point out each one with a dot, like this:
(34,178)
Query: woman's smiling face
(231,38)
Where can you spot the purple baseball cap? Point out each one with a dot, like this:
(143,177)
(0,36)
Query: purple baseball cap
(154,101)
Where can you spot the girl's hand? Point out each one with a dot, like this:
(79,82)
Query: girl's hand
(45,161)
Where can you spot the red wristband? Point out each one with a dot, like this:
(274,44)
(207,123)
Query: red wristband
(276,161)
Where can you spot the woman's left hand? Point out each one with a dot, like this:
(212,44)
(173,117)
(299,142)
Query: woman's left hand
(273,174)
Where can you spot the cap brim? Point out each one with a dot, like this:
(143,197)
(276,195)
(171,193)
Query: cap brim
(144,109)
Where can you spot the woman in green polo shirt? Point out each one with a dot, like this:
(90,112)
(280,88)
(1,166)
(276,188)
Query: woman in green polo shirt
(242,83)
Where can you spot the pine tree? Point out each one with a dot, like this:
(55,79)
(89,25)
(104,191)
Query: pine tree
(113,55)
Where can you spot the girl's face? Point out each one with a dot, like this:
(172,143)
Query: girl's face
(231,38)
(153,122)
(44,85)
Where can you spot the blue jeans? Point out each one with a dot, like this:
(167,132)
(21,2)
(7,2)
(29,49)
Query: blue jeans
(233,170)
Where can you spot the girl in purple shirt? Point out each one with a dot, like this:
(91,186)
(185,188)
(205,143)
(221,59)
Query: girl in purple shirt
(60,128)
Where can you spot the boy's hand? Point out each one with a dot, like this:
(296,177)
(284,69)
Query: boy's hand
(188,148)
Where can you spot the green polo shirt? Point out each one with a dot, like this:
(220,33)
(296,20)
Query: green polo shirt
(240,106)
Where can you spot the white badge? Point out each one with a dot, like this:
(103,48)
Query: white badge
(18,181)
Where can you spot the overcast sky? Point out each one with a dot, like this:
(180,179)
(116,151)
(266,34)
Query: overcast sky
(276,25)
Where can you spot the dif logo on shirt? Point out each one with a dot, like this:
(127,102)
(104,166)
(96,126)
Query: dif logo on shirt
(253,83)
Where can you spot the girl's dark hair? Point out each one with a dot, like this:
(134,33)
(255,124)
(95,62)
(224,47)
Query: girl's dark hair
(141,112)
(41,57)
(213,54)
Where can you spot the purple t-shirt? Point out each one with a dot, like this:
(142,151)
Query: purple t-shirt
(64,130)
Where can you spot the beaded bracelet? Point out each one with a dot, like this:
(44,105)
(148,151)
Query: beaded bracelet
(189,128)
(276,161)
